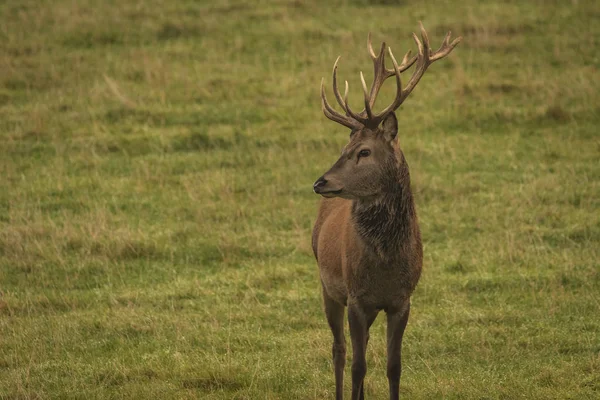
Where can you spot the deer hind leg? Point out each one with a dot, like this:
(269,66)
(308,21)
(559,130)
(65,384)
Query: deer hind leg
(360,320)
(396,323)
(335,317)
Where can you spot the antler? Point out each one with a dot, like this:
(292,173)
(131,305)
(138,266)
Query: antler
(424,58)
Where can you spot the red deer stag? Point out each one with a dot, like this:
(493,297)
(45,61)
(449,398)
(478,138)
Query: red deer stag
(366,238)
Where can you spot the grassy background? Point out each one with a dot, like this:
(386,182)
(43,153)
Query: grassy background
(156,163)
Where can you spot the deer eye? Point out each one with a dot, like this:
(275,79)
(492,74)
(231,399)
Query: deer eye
(364,153)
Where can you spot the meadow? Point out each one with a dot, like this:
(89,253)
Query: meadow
(156,168)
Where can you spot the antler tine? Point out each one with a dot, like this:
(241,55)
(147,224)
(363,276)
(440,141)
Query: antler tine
(406,64)
(346,93)
(425,38)
(367,99)
(370,46)
(334,115)
(362,120)
(336,91)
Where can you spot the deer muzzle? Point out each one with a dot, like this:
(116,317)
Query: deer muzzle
(320,187)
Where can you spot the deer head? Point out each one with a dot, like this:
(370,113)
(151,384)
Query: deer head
(369,161)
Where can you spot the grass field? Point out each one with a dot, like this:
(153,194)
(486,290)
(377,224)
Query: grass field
(156,170)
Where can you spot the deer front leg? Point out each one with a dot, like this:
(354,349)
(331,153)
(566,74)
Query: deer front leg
(369,323)
(335,317)
(359,319)
(396,323)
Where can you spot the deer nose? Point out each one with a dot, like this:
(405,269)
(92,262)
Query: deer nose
(319,184)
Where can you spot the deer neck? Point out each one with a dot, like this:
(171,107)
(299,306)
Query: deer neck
(387,221)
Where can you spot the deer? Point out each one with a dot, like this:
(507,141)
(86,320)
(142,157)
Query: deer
(366,238)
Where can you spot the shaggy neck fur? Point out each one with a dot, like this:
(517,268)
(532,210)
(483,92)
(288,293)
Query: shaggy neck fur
(386,222)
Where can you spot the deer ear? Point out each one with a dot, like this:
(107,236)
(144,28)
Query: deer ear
(390,127)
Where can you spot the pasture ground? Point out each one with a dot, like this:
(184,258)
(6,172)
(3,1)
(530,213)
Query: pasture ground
(156,163)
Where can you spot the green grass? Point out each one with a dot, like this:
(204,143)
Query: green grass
(156,163)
